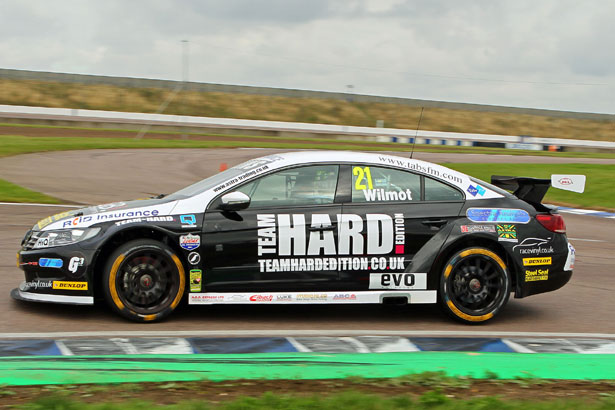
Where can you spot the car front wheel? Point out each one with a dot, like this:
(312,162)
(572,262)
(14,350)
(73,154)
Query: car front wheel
(144,280)
(475,285)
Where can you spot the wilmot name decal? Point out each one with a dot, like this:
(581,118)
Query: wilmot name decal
(299,242)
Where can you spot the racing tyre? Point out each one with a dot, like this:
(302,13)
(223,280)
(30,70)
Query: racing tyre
(144,280)
(474,285)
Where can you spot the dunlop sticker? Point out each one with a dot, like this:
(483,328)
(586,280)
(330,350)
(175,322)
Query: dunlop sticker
(70,285)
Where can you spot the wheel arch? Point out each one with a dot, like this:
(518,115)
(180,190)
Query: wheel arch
(121,237)
(464,242)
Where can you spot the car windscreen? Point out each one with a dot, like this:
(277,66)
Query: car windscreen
(259,164)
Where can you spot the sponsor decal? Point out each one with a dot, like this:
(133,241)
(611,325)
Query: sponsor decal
(477,229)
(345,296)
(46,221)
(498,215)
(42,243)
(50,263)
(188,221)
(189,242)
(507,233)
(33,263)
(235,298)
(261,298)
(194,258)
(242,177)
(327,264)
(536,274)
(74,263)
(196,276)
(398,281)
(283,298)
(565,181)
(311,297)
(110,206)
(569,265)
(70,285)
(422,168)
(476,190)
(109,217)
(282,235)
(206,298)
(537,261)
(35,284)
(149,219)
(534,246)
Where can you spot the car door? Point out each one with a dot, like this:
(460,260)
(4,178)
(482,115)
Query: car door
(401,212)
(283,241)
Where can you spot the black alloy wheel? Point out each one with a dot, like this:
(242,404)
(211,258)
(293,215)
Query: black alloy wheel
(475,285)
(144,280)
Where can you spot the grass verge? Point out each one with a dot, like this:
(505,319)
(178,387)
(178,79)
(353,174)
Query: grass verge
(433,400)
(10,192)
(598,188)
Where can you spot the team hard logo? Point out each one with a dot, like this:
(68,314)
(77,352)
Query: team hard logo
(299,242)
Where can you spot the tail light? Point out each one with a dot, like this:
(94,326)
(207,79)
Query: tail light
(554,223)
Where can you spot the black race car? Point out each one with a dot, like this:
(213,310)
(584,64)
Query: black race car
(308,227)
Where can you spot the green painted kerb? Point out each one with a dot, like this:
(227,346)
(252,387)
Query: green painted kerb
(216,367)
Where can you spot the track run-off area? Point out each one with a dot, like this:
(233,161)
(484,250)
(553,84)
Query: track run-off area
(582,307)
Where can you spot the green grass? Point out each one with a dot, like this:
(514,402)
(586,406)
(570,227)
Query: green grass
(433,400)
(598,187)
(14,193)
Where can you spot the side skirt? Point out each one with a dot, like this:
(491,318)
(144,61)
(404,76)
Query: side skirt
(415,296)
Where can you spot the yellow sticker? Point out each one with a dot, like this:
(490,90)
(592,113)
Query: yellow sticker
(537,261)
(362,173)
(70,285)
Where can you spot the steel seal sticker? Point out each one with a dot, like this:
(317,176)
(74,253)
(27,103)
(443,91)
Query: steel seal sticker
(477,229)
(196,277)
(189,242)
(496,215)
(536,274)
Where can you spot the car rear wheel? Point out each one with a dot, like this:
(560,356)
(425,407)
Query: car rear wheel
(144,280)
(474,285)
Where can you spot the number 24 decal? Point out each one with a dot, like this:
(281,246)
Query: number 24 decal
(361,173)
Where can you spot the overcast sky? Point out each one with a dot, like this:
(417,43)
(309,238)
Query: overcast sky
(556,54)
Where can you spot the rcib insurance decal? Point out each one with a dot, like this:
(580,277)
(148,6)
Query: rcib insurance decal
(298,242)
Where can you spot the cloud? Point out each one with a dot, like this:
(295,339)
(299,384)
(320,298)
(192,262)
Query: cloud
(548,54)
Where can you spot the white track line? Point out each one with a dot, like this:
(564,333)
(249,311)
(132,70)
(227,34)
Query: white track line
(586,240)
(49,205)
(303,333)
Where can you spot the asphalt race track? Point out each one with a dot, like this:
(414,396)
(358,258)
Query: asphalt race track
(584,305)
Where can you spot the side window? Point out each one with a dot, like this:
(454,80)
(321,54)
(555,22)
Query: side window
(438,191)
(375,184)
(311,185)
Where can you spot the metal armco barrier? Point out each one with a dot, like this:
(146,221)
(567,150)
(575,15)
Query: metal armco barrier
(366,133)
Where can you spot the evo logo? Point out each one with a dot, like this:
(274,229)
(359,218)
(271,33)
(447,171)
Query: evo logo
(398,281)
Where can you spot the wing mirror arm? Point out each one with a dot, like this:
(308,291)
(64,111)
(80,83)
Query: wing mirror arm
(234,201)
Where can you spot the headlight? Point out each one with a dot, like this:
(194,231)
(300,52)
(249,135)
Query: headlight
(47,239)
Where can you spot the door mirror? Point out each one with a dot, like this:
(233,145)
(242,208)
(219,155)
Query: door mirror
(234,201)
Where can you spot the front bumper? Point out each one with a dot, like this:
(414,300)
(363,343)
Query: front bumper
(48,298)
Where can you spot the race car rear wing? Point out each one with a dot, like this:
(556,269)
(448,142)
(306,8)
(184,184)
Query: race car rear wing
(533,190)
